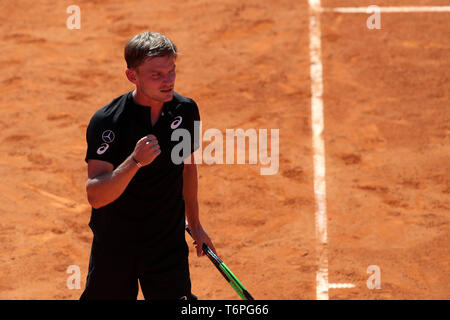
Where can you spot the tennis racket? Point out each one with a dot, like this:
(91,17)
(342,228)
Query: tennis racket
(225,271)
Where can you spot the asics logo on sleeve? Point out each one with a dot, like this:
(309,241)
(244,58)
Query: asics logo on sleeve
(102,148)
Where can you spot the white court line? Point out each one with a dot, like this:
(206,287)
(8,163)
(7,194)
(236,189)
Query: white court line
(389,9)
(319,149)
(341,286)
(316,72)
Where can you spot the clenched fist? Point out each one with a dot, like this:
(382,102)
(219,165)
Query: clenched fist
(146,150)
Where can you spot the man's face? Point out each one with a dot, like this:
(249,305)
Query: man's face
(155,78)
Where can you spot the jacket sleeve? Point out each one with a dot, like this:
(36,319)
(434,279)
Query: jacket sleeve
(102,140)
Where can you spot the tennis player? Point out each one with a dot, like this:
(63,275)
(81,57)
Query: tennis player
(140,198)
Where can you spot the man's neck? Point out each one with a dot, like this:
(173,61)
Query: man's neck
(143,100)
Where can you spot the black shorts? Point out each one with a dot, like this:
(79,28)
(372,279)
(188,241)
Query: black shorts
(114,273)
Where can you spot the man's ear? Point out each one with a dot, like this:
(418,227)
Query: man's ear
(131,75)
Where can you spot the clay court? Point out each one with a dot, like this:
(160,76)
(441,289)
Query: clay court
(386,136)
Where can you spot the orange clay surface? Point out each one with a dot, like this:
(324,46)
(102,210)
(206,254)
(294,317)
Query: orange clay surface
(246,64)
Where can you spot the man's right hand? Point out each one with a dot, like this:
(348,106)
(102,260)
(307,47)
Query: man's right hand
(146,150)
(105,184)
